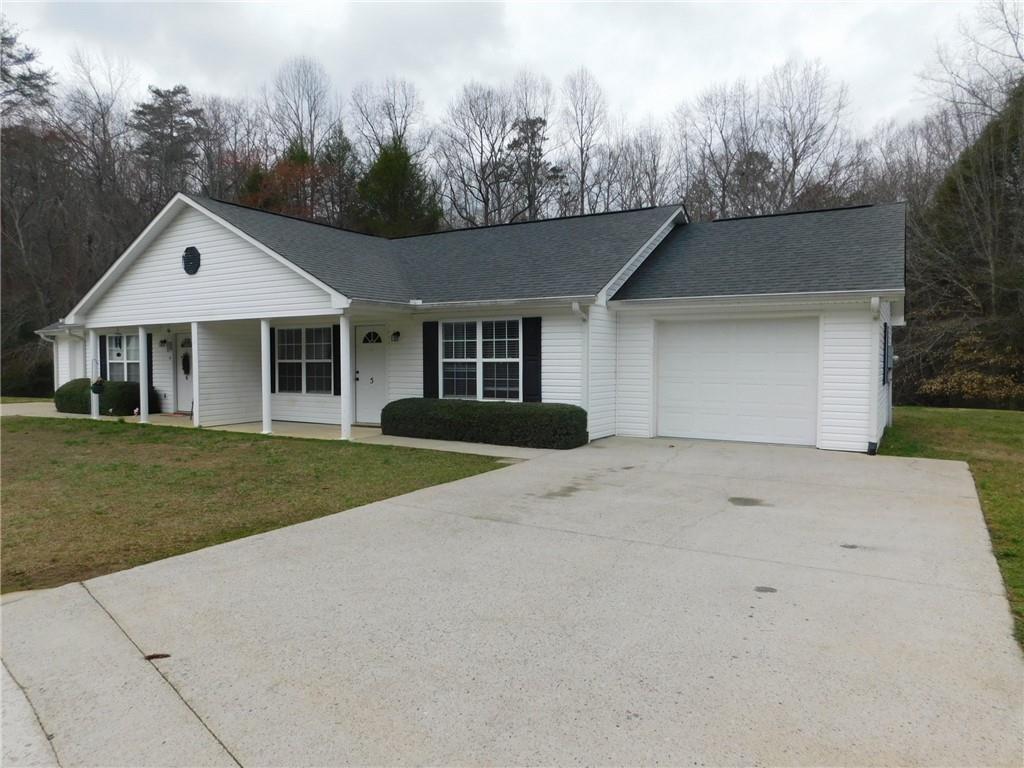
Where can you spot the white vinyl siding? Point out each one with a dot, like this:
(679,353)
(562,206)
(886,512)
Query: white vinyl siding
(849,344)
(68,358)
(601,377)
(404,359)
(295,406)
(562,358)
(235,279)
(634,379)
(229,372)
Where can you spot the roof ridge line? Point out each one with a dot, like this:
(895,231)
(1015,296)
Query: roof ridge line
(336,228)
(539,221)
(808,210)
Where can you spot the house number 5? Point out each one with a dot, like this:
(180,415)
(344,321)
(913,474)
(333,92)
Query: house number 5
(371,379)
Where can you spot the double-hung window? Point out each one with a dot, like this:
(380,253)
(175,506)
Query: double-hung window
(304,360)
(481,359)
(122,358)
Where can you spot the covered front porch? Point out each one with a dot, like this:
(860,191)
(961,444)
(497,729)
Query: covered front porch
(318,376)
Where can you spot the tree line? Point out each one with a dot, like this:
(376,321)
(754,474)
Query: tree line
(85,168)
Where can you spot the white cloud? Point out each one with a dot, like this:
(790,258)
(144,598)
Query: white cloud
(648,57)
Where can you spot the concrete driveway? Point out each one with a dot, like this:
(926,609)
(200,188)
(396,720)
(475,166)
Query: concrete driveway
(633,602)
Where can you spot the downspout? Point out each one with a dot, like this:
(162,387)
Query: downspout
(578,311)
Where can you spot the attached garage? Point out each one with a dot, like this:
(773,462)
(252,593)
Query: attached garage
(750,380)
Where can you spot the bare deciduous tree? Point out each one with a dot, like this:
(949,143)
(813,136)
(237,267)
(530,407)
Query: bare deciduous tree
(584,114)
(474,158)
(387,113)
(302,105)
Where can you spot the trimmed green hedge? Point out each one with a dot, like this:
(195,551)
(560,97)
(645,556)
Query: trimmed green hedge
(119,398)
(530,425)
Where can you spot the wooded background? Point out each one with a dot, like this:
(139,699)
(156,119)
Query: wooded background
(83,171)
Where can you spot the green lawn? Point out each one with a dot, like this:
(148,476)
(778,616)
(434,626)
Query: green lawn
(8,399)
(82,498)
(992,443)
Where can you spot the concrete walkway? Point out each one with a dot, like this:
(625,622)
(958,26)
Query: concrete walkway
(630,602)
(295,429)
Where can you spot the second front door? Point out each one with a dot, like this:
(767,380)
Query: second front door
(371,389)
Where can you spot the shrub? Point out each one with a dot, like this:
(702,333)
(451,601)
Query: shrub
(119,397)
(531,425)
(977,373)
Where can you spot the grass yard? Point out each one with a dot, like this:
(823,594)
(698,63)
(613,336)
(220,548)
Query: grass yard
(992,443)
(9,400)
(82,498)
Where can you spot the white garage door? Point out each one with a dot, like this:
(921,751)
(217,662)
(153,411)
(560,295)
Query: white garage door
(750,380)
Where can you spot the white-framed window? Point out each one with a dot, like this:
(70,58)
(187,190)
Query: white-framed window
(122,357)
(305,361)
(482,359)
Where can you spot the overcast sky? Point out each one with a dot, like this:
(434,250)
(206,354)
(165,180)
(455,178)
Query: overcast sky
(648,57)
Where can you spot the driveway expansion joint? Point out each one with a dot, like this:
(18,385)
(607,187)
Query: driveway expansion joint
(160,672)
(711,552)
(47,734)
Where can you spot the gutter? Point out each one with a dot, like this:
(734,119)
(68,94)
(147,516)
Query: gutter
(418,306)
(754,297)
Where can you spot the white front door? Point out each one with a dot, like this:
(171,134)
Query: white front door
(753,380)
(184,364)
(371,389)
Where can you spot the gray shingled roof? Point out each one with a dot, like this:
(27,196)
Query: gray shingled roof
(845,249)
(575,256)
(359,266)
(52,327)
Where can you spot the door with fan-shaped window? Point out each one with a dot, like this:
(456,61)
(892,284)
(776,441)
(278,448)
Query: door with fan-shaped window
(371,388)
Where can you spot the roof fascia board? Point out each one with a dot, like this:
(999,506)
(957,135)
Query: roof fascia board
(755,298)
(641,255)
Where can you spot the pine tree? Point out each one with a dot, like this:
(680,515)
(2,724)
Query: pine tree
(395,196)
(169,128)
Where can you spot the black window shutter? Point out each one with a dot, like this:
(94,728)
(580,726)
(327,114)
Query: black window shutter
(531,360)
(885,353)
(103,358)
(273,360)
(149,359)
(336,357)
(430,359)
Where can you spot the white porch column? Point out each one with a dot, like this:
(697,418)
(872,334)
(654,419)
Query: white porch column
(268,421)
(195,374)
(143,376)
(92,355)
(347,382)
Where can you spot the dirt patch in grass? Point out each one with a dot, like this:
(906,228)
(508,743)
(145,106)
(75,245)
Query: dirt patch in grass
(82,498)
(992,443)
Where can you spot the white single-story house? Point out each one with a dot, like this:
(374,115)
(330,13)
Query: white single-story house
(768,328)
